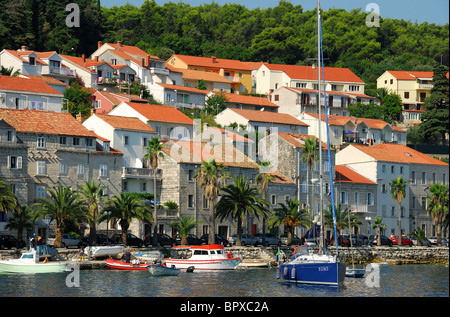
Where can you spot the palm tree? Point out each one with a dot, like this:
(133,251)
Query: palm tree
(92,194)
(21,219)
(419,235)
(184,226)
(154,151)
(239,199)
(379,225)
(125,208)
(310,156)
(263,180)
(437,205)
(398,191)
(8,201)
(341,217)
(291,215)
(64,205)
(211,177)
(9,71)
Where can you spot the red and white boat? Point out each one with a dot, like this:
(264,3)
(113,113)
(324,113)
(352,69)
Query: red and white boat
(121,265)
(206,257)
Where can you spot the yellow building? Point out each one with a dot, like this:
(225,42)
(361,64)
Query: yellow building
(237,72)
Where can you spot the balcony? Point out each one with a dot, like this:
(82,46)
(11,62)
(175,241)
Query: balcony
(425,86)
(359,208)
(58,71)
(233,79)
(133,172)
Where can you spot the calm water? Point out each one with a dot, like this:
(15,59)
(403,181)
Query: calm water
(395,281)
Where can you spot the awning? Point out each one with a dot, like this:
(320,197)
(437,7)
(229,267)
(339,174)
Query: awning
(351,132)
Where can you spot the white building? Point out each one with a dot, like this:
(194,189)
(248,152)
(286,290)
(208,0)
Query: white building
(129,136)
(384,163)
(27,93)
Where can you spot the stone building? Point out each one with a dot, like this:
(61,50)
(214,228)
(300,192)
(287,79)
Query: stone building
(50,148)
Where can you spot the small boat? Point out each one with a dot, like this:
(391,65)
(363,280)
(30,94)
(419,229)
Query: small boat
(162,270)
(206,257)
(29,263)
(355,272)
(103,250)
(151,256)
(253,263)
(121,265)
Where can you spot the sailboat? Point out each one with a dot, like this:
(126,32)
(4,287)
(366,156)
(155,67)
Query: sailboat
(353,272)
(319,268)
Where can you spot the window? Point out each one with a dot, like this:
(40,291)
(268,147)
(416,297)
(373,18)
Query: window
(286,199)
(300,85)
(41,167)
(144,187)
(190,175)
(190,201)
(125,140)
(401,169)
(144,141)
(40,191)
(62,140)
(103,170)
(205,202)
(392,169)
(41,142)
(353,88)
(413,177)
(383,188)
(355,198)
(406,95)
(15,162)
(370,199)
(424,178)
(125,186)
(273,199)
(344,198)
(383,168)
(76,141)
(10,136)
(80,169)
(89,142)
(63,168)
(31,60)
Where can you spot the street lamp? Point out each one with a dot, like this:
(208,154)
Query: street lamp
(108,213)
(368,219)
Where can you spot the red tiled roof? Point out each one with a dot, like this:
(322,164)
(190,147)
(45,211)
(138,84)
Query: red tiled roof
(46,122)
(196,152)
(249,100)
(199,74)
(126,123)
(332,74)
(399,153)
(298,140)
(26,84)
(160,113)
(45,79)
(410,75)
(269,117)
(347,175)
(134,51)
(209,63)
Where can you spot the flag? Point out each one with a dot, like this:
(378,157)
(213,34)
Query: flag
(428,186)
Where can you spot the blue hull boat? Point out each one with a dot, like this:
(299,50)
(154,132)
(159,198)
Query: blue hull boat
(316,269)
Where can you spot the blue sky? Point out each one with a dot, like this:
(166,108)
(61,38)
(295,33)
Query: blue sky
(431,11)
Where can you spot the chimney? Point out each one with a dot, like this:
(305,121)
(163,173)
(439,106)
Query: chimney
(143,62)
(96,58)
(80,117)
(213,59)
(83,56)
(92,111)
(119,44)
(99,44)
(147,60)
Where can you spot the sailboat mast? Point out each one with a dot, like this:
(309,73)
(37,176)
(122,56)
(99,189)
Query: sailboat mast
(320,129)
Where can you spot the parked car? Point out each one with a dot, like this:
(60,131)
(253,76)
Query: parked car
(294,241)
(8,241)
(270,238)
(425,242)
(384,241)
(101,240)
(192,239)
(67,241)
(433,241)
(343,240)
(218,240)
(132,240)
(163,239)
(246,239)
(405,241)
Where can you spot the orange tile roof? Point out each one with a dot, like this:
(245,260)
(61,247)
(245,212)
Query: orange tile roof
(398,153)
(126,123)
(208,62)
(199,74)
(410,75)
(332,74)
(184,88)
(298,140)
(19,54)
(269,117)
(45,79)
(46,122)
(279,178)
(196,152)
(134,51)
(83,63)
(249,100)
(26,84)
(117,98)
(160,113)
(347,175)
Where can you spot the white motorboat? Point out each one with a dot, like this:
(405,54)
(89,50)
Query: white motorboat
(206,257)
(103,250)
(29,263)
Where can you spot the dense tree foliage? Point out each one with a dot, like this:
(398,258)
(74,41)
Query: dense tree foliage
(282,34)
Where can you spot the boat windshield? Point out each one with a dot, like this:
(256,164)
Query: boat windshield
(200,252)
(301,250)
(27,256)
